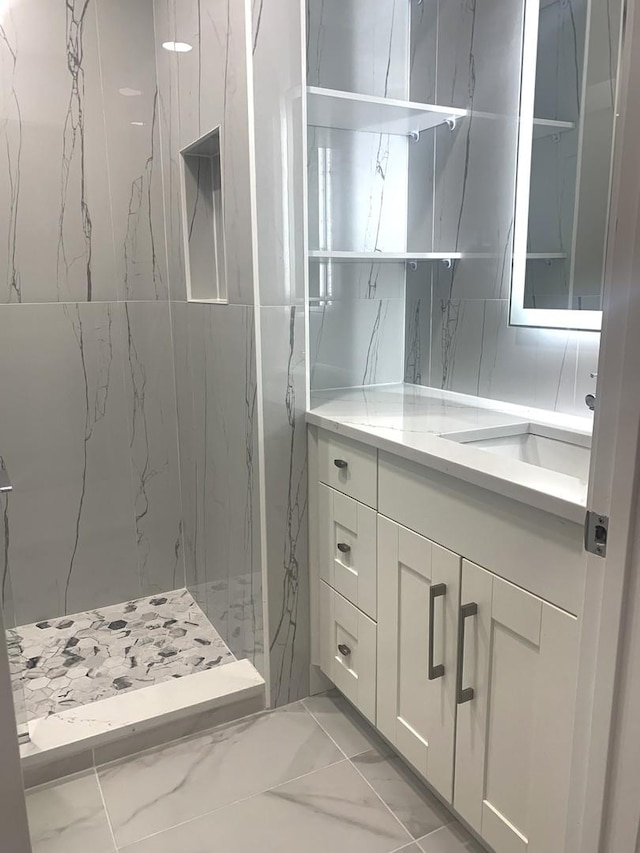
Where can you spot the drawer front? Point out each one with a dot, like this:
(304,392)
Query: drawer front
(349,467)
(533,549)
(347,548)
(348,650)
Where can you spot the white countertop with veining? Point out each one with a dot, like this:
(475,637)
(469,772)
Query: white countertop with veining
(409,420)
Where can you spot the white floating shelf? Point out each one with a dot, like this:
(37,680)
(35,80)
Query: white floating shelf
(382,257)
(548,127)
(348,111)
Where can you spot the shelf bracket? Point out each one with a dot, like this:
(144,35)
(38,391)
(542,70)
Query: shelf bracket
(412,265)
(414,135)
(447,262)
(451,123)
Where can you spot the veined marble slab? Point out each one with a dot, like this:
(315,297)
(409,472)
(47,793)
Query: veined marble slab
(410,420)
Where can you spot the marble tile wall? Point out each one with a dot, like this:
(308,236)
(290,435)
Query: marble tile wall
(457,332)
(357,197)
(215,358)
(280,161)
(88,427)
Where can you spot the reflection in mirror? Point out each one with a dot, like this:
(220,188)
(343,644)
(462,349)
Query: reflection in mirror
(565,147)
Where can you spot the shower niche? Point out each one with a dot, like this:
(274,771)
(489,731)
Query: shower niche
(203,219)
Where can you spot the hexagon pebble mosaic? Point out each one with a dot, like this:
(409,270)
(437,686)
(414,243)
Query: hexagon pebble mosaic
(70,661)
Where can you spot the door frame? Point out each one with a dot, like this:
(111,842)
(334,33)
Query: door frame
(613,483)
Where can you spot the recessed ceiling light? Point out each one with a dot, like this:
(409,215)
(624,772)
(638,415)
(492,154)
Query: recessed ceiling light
(137,123)
(129,93)
(177,46)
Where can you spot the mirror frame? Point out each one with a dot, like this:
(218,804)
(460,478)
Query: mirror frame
(548,318)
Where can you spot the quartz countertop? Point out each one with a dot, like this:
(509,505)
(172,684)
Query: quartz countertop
(409,421)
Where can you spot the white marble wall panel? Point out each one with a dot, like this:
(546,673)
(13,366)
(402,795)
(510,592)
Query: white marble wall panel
(279,150)
(153,444)
(169,125)
(131,126)
(284,380)
(357,188)
(359,46)
(278,67)
(417,355)
(89,420)
(212,92)
(222,527)
(54,182)
(423,70)
(356,342)
(64,438)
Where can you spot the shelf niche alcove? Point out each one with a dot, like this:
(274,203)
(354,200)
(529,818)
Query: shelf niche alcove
(203,219)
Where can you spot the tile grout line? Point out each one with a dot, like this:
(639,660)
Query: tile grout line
(365,780)
(106,811)
(234,803)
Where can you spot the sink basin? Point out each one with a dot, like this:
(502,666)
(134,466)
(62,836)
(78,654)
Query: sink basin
(549,447)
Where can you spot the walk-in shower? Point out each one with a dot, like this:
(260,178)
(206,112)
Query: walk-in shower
(130,553)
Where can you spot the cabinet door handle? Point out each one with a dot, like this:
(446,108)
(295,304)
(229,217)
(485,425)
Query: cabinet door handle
(343,547)
(344,650)
(341,463)
(464,694)
(437,590)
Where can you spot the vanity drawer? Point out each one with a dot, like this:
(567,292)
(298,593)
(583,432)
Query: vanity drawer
(349,467)
(348,650)
(347,548)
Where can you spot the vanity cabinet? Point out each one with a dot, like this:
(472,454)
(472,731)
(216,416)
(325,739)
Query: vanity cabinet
(466,658)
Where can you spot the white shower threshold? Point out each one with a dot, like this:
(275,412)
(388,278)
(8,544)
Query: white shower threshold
(106,729)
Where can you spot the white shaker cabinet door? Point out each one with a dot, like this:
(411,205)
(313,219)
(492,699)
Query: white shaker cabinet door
(516,700)
(418,596)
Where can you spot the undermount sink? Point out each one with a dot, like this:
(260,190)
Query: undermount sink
(552,448)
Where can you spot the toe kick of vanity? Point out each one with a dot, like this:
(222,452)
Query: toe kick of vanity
(449,615)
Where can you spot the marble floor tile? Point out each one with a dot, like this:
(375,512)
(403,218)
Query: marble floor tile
(159,789)
(330,810)
(343,724)
(450,839)
(78,659)
(69,817)
(410,801)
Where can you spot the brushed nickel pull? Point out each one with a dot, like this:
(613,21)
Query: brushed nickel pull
(437,590)
(341,463)
(343,547)
(464,694)
(344,650)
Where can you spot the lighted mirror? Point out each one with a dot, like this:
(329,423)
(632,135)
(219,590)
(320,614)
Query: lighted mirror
(565,147)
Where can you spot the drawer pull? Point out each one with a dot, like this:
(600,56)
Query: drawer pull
(344,650)
(464,694)
(341,463)
(343,547)
(437,590)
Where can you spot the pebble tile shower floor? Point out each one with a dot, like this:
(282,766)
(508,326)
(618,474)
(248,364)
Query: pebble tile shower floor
(77,659)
